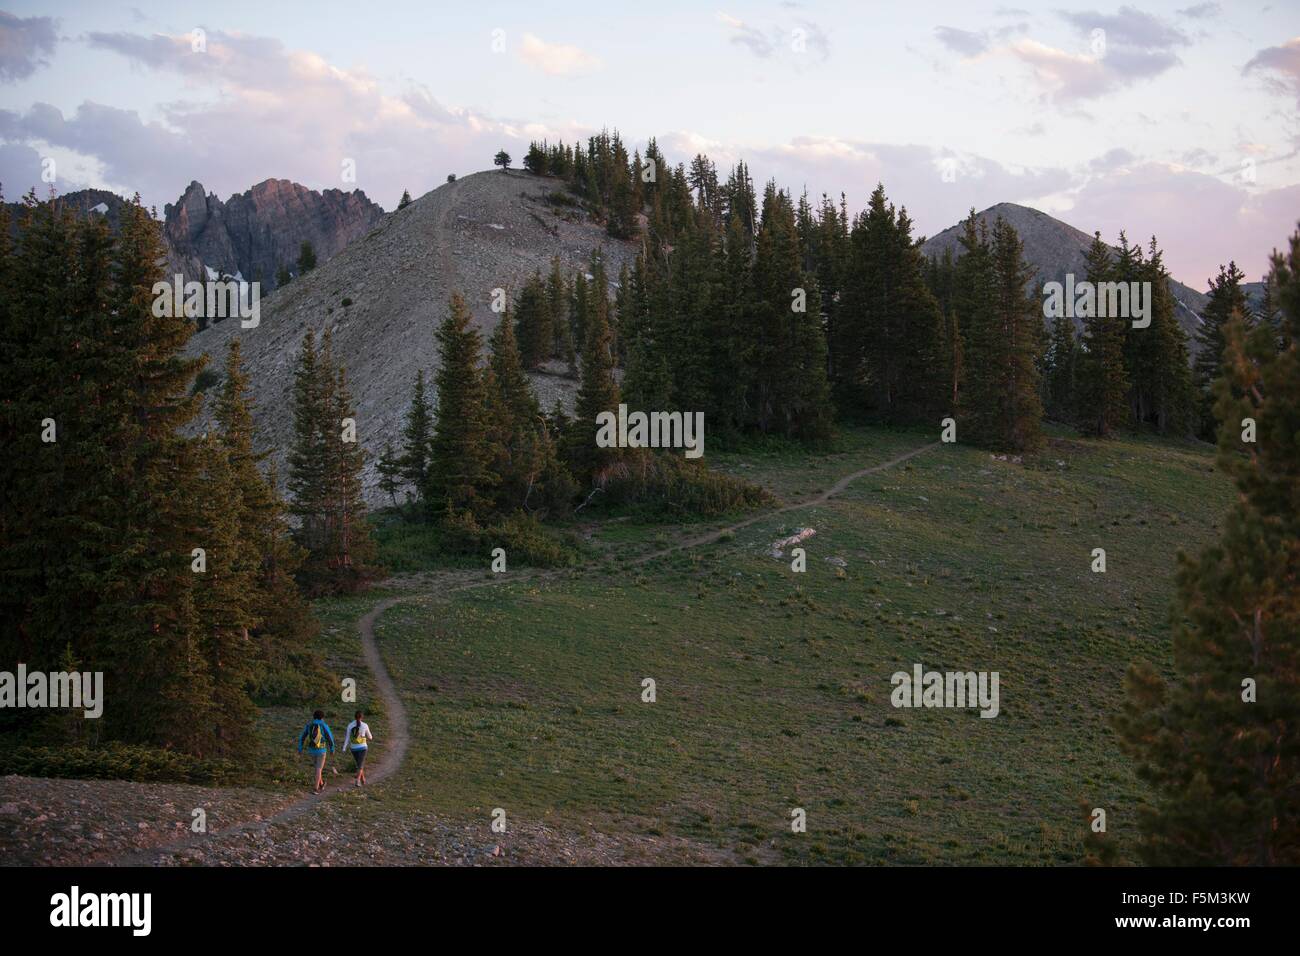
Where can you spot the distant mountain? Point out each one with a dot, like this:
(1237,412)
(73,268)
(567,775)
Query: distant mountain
(1054,248)
(250,234)
(1254,294)
(82,202)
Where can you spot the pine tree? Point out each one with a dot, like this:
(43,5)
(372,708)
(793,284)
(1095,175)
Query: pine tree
(352,549)
(307,457)
(790,391)
(417,433)
(283,627)
(405,200)
(623,208)
(889,352)
(1163,391)
(999,402)
(150,628)
(325,476)
(1221,746)
(390,472)
(597,393)
(512,413)
(557,303)
(730,340)
(974,299)
(532,319)
(458,481)
(144,548)
(1062,363)
(1102,400)
(525,461)
(940,279)
(681,319)
(535,159)
(1269,314)
(306,258)
(579,309)
(223,597)
(1019,334)
(648,381)
(1227,299)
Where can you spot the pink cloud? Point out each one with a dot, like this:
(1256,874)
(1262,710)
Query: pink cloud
(1199,221)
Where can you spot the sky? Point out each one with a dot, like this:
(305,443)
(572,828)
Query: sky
(1175,119)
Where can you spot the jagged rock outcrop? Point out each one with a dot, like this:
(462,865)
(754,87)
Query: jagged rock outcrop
(256,232)
(251,234)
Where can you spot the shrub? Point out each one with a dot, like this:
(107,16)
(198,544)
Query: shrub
(528,541)
(294,677)
(116,762)
(557,197)
(670,485)
(525,538)
(206,378)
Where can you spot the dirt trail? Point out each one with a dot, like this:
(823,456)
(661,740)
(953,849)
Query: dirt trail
(819,499)
(395,744)
(390,755)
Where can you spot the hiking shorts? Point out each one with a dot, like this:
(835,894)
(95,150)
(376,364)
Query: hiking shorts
(359,755)
(320,763)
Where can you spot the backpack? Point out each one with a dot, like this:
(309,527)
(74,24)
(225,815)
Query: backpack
(317,739)
(357,739)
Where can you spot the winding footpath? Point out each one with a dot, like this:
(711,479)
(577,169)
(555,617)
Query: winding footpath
(398,735)
(396,741)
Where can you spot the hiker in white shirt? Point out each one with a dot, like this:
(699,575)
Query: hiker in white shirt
(357,734)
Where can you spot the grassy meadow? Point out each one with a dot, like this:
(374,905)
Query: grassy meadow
(772,687)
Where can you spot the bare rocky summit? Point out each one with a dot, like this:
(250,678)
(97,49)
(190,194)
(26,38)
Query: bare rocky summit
(1054,248)
(384,295)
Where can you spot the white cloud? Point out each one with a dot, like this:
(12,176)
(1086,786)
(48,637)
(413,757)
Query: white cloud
(557,59)
(266,111)
(1281,63)
(1063,75)
(1175,204)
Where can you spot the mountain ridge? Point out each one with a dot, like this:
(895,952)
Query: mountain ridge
(384,295)
(251,234)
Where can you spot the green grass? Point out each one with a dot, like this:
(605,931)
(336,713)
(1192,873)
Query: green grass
(773,687)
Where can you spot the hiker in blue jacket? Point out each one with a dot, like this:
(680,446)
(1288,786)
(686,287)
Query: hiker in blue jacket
(319,742)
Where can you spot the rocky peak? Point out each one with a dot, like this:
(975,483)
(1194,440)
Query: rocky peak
(256,232)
